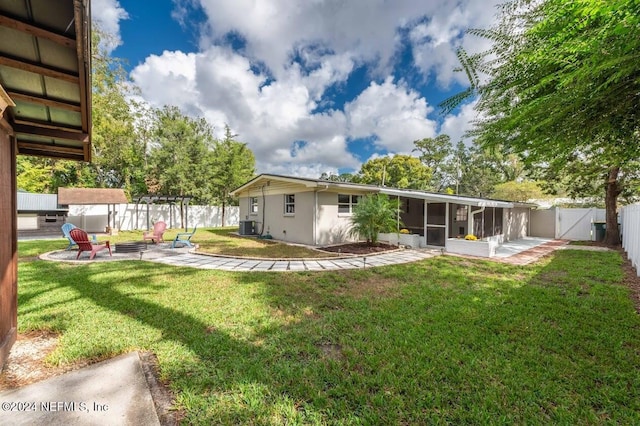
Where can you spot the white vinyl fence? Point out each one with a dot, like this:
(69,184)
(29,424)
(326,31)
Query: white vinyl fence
(631,233)
(95,218)
(566,223)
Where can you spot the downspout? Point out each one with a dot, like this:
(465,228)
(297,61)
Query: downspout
(264,208)
(397,214)
(315,214)
(473,220)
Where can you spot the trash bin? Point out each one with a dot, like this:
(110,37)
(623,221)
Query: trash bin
(600,228)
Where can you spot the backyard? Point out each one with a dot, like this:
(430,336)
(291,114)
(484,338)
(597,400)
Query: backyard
(445,340)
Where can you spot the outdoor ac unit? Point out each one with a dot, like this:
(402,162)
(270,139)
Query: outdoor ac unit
(246,227)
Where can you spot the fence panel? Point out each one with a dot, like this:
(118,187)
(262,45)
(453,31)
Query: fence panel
(93,218)
(631,233)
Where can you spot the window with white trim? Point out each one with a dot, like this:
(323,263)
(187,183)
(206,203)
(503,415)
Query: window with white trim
(290,204)
(461,214)
(253,205)
(346,203)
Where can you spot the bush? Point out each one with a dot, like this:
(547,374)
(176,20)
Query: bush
(374,214)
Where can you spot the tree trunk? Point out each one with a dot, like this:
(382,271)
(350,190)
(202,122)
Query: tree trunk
(223,209)
(612,234)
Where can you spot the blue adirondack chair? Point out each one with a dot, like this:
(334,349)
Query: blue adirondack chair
(66,229)
(184,238)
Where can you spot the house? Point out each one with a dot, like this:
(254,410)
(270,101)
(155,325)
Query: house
(92,209)
(39,215)
(318,212)
(45,110)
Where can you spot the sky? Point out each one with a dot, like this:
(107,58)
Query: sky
(312,86)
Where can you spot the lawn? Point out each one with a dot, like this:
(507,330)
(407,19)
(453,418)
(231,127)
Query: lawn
(445,340)
(220,241)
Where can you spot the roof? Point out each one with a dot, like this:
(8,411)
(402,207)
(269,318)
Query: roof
(45,70)
(28,201)
(410,193)
(308,182)
(67,196)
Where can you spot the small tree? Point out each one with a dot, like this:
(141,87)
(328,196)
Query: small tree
(374,214)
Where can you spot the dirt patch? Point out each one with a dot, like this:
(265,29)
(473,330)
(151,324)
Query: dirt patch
(374,285)
(330,351)
(26,365)
(359,248)
(631,279)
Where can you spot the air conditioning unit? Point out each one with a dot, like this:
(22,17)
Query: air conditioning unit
(247,227)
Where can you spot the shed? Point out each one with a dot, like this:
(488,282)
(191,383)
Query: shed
(39,215)
(110,197)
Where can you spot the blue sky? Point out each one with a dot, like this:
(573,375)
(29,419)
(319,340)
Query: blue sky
(311,86)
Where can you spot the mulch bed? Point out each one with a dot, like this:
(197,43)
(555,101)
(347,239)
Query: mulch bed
(359,248)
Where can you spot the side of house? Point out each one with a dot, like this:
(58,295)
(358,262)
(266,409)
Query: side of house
(299,210)
(316,212)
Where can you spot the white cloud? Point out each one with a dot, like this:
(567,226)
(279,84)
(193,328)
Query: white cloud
(456,125)
(270,116)
(108,14)
(273,102)
(394,114)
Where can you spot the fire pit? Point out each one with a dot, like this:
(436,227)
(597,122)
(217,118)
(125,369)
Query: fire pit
(130,247)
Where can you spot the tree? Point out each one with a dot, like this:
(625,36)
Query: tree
(477,170)
(560,88)
(179,162)
(433,153)
(399,171)
(234,164)
(342,177)
(518,191)
(372,215)
(118,158)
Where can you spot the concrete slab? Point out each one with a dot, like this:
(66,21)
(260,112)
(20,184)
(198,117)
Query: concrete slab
(113,392)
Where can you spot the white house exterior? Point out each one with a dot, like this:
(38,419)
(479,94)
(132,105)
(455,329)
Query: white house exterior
(318,212)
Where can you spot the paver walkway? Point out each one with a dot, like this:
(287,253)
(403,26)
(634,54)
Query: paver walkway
(202,261)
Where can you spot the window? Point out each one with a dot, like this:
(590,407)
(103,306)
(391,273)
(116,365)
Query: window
(290,204)
(461,213)
(253,205)
(346,203)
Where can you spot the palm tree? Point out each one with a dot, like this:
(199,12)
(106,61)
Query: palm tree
(374,214)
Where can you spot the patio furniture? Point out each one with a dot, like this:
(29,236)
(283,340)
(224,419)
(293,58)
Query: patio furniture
(184,238)
(82,240)
(156,235)
(66,228)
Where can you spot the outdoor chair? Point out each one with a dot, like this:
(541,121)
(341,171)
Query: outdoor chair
(156,235)
(66,228)
(184,238)
(82,240)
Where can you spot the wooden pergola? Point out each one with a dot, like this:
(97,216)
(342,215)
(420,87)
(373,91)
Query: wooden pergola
(45,110)
(151,199)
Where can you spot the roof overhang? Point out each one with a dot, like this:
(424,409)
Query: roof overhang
(80,196)
(446,198)
(45,65)
(309,183)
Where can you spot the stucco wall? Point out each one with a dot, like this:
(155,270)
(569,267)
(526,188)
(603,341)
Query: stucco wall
(543,223)
(515,223)
(295,228)
(331,227)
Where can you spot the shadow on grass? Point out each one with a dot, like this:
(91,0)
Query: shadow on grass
(442,340)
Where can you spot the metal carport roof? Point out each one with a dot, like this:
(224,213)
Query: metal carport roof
(45,70)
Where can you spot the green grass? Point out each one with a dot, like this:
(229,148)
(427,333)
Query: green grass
(214,241)
(445,340)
